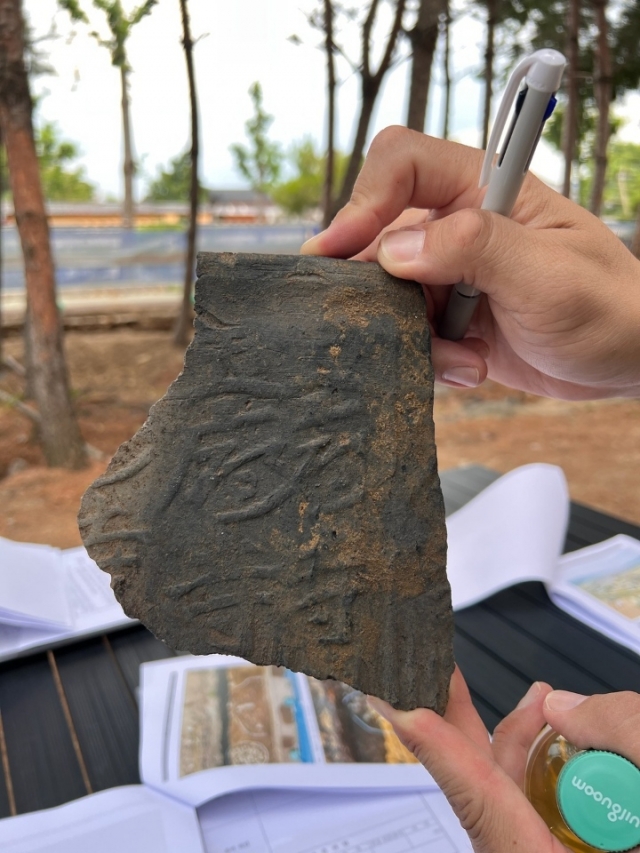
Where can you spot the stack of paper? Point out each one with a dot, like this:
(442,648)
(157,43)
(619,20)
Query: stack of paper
(48,596)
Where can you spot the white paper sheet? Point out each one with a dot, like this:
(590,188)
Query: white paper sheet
(38,585)
(176,744)
(512,532)
(301,822)
(31,593)
(132,819)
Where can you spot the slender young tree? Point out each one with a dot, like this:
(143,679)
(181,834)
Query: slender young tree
(423,38)
(493,11)
(261,161)
(446,66)
(370,83)
(1,247)
(603,91)
(570,125)
(329,47)
(59,432)
(120,25)
(184,319)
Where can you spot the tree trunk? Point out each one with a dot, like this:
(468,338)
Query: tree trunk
(489,55)
(1,258)
(185,318)
(447,71)
(370,86)
(59,433)
(570,125)
(423,38)
(603,92)
(355,160)
(129,166)
(327,200)
(635,243)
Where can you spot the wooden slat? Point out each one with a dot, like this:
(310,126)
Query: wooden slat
(535,661)
(496,684)
(603,525)
(488,714)
(133,647)
(7,797)
(586,648)
(103,711)
(44,769)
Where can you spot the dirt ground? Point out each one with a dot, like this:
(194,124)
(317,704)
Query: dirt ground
(117,375)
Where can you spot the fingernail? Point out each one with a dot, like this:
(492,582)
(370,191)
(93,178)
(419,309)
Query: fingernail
(529,696)
(402,246)
(562,700)
(467,376)
(309,246)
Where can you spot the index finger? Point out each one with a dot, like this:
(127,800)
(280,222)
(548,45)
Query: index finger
(403,169)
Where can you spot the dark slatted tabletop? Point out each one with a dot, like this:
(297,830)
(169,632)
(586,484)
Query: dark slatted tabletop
(69,717)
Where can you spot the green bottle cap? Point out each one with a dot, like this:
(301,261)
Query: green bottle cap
(598,796)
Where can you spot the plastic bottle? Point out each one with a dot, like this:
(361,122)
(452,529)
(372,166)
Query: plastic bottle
(589,799)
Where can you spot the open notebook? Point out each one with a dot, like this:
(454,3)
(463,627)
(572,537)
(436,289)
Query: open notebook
(49,596)
(251,759)
(514,531)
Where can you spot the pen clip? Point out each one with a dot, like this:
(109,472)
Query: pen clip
(502,115)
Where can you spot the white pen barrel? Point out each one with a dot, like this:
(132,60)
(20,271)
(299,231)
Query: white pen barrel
(507,176)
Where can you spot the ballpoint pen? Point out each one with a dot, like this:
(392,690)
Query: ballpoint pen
(542,73)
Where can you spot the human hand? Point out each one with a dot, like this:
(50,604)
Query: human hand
(483,780)
(562,307)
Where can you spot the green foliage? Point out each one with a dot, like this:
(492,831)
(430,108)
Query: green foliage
(261,161)
(120,24)
(173,183)
(625,52)
(74,9)
(587,118)
(586,129)
(60,180)
(621,198)
(303,191)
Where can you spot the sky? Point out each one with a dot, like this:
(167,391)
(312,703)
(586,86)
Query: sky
(240,41)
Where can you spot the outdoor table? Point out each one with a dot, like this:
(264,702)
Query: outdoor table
(69,716)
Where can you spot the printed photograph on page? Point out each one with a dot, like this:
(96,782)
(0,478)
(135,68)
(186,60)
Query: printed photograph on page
(350,730)
(618,590)
(240,715)
(255,715)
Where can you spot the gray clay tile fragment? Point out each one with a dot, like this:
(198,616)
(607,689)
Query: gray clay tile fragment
(282,501)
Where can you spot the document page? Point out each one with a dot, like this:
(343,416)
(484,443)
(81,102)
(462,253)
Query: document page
(31,589)
(91,601)
(211,725)
(131,819)
(303,822)
(600,585)
(512,532)
(48,596)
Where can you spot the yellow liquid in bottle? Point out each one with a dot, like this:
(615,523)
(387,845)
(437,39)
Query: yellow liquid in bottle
(548,756)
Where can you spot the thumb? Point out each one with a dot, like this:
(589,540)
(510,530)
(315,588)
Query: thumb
(610,721)
(476,247)
(487,802)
